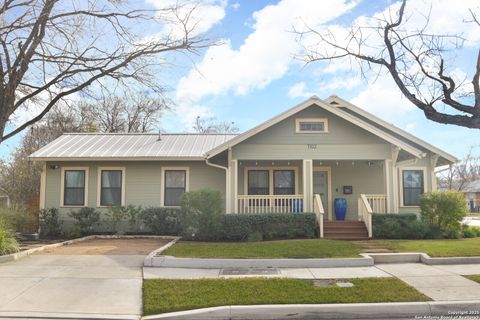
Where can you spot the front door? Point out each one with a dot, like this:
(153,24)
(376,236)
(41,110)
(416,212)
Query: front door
(320,186)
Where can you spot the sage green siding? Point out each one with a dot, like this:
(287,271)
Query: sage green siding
(142,181)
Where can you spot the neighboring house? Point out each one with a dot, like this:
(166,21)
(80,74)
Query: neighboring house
(329,148)
(472,194)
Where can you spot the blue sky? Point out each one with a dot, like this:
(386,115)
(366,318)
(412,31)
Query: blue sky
(253,76)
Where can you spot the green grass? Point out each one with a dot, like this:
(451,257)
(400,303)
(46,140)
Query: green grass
(435,248)
(313,248)
(475,278)
(161,296)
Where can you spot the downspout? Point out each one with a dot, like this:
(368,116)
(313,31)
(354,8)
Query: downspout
(227,182)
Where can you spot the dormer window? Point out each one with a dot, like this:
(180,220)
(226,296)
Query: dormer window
(312,125)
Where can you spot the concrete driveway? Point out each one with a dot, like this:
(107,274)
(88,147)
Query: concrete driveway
(60,285)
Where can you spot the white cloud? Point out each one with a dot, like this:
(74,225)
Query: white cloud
(383,99)
(410,126)
(298,91)
(337,83)
(266,53)
(202,15)
(236,6)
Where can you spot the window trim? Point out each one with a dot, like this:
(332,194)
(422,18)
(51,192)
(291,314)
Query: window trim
(99,185)
(163,184)
(319,120)
(424,170)
(62,187)
(271,184)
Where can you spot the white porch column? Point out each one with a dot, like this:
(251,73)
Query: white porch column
(233,186)
(43,185)
(307,185)
(388,177)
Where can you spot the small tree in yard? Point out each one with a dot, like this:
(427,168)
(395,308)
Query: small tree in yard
(202,212)
(444,210)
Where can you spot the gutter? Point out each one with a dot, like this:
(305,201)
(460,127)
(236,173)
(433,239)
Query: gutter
(227,181)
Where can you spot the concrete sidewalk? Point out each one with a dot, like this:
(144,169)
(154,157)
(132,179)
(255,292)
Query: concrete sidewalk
(297,273)
(441,283)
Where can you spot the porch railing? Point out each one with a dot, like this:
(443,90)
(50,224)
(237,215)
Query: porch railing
(365,213)
(319,212)
(378,202)
(270,203)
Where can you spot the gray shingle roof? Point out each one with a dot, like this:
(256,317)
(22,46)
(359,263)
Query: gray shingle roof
(127,145)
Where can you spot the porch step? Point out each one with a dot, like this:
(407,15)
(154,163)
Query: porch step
(345,230)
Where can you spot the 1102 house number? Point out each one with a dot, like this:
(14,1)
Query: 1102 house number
(311,146)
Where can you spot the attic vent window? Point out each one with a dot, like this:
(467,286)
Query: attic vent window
(311,125)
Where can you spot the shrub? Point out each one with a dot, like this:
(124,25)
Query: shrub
(402,226)
(470,231)
(162,221)
(50,224)
(267,226)
(202,212)
(86,219)
(115,215)
(134,217)
(15,217)
(445,211)
(8,244)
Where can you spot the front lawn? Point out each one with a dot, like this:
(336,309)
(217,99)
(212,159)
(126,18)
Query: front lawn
(434,248)
(475,278)
(313,248)
(161,296)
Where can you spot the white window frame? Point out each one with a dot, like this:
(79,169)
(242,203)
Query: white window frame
(424,170)
(99,184)
(163,184)
(318,120)
(271,183)
(62,187)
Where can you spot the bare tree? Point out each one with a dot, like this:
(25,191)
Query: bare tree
(52,49)
(132,112)
(460,174)
(210,125)
(415,59)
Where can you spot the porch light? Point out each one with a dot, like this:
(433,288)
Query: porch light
(353,163)
(336,163)
(288,163)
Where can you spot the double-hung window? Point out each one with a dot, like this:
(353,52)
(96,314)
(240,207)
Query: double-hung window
(258,182)
(413,187)
(283,182)
(74,187)
(175,187)
(111,188)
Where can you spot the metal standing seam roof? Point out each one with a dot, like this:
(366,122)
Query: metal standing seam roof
(130,145)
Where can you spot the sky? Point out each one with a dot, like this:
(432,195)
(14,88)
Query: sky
(253,75)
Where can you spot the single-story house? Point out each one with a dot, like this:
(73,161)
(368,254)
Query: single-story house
(472,195)
(300,160)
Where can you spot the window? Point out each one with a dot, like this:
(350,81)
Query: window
(74,188)
(283,182)
(175,186)
(258,182)
(111,188)
(413,187)
(311,125)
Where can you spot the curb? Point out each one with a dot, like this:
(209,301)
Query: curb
(60,315)
(419,257)
(148,261)
(452,309)
(22,254)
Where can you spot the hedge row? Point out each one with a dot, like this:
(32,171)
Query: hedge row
(402,226)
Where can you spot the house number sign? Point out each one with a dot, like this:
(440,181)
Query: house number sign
(311,146)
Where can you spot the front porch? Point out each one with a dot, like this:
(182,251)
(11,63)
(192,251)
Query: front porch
(312,186)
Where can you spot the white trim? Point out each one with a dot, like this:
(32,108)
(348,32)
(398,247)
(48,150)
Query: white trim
(270,170)
(391,127)
(99,184)
(43,186)
(387,165)
(62,187)
(327,169)
(314,120)
(322,104)
(162,183)
(417,168)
